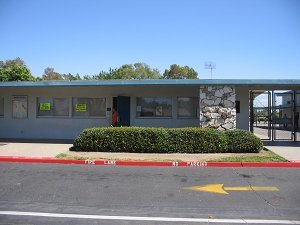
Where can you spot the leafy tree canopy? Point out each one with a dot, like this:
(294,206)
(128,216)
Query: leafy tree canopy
(178,72)
(69,76)
(127,72)
(143,71)
(14,70)
(50,74)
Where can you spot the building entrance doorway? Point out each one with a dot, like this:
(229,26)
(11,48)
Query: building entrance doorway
(122,105)
(274,115)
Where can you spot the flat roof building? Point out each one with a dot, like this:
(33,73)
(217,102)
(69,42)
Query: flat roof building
(62,109)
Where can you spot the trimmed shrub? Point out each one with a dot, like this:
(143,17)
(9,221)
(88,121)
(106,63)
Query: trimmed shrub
(164,140)
(243,141)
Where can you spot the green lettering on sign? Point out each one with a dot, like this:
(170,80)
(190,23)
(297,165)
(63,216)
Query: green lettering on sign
(45,106)
(80,107)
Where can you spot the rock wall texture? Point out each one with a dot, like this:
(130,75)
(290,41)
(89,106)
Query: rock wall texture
(217,107)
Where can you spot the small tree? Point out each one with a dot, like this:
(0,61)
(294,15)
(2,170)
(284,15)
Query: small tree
(178,72)
(127,72)
(143,71)
(70,77)
(50,74)
(15,70)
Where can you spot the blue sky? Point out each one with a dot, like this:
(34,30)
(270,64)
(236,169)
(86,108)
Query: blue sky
(245,38)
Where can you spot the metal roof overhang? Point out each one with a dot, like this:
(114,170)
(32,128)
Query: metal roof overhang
(257,84)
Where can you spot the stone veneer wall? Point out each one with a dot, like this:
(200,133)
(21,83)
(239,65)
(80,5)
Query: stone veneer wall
(217,107)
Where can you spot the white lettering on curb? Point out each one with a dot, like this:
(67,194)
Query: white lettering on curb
(174,163)
(89,161)
(197,164)
(109,162)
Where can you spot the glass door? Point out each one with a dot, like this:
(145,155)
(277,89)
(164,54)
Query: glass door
(283,115)
(260,114)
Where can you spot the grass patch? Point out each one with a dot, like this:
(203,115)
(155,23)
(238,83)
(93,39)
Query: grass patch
(79,157)
(61,155)
(67,156)
(263,156)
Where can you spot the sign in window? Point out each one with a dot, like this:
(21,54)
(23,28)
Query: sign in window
(52,107)
(89,107)
(45,106)
(80,107)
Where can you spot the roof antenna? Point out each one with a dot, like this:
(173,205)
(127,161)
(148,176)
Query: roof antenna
(211,66)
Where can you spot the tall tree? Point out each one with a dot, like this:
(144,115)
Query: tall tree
(16,61)
(103,75)
(70,77)
(88,77)
(50,74)
(143,71)
(127,72)
(178,72)
(14,70)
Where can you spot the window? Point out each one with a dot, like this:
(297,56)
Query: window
(1,107)
(188,107)
(89,107)
(52,107)
(154,107)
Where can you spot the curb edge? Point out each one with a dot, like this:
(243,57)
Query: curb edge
(292,164)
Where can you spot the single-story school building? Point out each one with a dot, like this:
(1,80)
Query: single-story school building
(62,109)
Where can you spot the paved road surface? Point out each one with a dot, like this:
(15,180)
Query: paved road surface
(99,194)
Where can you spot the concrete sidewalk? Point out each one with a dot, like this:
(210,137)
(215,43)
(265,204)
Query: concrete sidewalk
(33,149)
(288,150)
(51,150)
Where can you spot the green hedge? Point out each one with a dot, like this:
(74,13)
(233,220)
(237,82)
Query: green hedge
(243,141)
(166,140)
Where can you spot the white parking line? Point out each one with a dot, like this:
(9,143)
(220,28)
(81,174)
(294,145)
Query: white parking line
(134,218)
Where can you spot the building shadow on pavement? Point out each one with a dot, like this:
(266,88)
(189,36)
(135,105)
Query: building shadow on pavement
(49,141)
(282,143)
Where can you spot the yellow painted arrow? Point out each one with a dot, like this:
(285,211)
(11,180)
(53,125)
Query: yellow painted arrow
(219,189)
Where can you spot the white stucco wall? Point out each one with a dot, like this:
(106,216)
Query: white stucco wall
(69,127)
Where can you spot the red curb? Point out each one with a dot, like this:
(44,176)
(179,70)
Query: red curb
(39,160)
(272,164)
(151,163)
(141,163)
(224,164)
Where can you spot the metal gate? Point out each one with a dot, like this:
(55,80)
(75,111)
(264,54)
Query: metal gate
(260,114)
(274,115)
(296,116)
(282,115)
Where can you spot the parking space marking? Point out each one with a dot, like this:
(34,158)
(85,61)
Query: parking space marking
(135,218)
